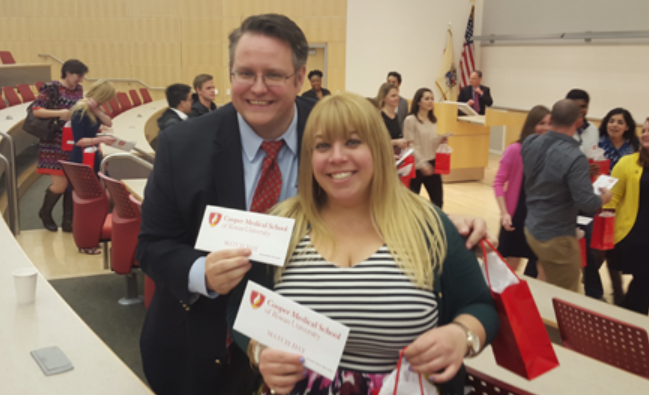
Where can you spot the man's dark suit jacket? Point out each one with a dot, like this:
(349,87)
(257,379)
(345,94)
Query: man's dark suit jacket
(198,162)
(168,118)
(485,100)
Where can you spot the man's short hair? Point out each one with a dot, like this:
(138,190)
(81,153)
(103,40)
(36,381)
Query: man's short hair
(73,66)
(315,73)
(478,72)
(395,75)
(176,93)
(578,94)
(565,113)
(200,79)
(277,26)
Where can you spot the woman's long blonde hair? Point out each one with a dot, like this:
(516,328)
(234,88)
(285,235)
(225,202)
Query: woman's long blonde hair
(408,224)
(101,91)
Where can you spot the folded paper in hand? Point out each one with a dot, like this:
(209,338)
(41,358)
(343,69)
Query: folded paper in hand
(603,181)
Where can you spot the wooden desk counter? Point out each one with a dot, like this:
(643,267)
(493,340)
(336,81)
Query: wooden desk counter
(51,322)
(24,73)
(136,124)
(576,374)
(544,292)
(136,186)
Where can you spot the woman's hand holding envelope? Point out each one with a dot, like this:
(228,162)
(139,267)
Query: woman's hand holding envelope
(281,370)
(226,268)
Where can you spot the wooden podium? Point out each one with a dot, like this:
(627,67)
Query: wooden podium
(470,144)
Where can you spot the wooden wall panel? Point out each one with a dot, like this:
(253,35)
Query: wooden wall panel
(158,41)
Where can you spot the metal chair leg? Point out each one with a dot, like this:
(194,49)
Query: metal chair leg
(105,252)
(132,295)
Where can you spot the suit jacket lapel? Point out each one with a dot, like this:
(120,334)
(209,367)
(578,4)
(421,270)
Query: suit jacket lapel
(227,166)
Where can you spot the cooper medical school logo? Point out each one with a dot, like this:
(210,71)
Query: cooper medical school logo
(215,218)
(256,299)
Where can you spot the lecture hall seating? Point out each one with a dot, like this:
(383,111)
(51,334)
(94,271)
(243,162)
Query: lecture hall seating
(146,96)
(135,98)
(26,92)
(11,95)
(114,107)
(124,102)
(6,57)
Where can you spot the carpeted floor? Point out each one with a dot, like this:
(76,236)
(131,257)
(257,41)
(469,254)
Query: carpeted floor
(94,299)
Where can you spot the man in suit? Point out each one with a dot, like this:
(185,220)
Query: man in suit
(476,95)
(394,78)
(203,99)
(179,100)
(217,159)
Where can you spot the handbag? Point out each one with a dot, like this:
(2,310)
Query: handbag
(44,128)
(522,344)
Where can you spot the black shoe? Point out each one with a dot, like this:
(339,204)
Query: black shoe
(45,213)
(68,210)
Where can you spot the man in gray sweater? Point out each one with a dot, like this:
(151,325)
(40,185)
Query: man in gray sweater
(557,185)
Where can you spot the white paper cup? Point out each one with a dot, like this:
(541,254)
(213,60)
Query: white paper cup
(25,280)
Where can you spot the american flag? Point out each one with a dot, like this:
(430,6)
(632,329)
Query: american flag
(467,62)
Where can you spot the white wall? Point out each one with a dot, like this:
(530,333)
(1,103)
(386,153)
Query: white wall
(407,36)
(613,75)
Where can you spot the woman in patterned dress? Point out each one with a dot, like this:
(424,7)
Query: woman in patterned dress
(381,260)
(49,151)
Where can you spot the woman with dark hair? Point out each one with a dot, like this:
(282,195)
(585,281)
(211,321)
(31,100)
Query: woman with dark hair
(420,129)
(55,99)
(631,204)
(512,244)
(316,92)
(617,135)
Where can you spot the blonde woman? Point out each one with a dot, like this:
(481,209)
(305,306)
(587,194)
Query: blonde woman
(87,118)
(370,254)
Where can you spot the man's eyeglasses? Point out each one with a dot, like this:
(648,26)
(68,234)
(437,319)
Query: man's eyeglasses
(270,79)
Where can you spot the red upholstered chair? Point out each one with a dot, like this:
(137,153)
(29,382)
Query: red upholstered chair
(91,224)
(481,384)
(107,110)
(11,95)
(6,57)
(149,285)
(114,107)
(126,227)
(26,92)
(38,85)
(606,339)
(146,97)
(135,98)
(3,103)
(124,101)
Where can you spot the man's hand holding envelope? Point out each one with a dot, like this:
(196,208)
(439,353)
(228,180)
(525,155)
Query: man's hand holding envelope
(233,238)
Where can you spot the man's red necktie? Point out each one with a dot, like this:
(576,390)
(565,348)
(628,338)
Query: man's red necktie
(270,181)
(476,102)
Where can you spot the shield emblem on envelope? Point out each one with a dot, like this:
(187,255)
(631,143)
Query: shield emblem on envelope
(256,299)
(215,218)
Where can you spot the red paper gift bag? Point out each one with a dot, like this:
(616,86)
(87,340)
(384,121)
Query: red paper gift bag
(89,157)
(582,248)
(522,344)
(442,163)
(603,231)
(67,140)
(408,161)
(604,166)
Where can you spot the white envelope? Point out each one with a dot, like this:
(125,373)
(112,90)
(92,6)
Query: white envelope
(267,236)
(280,323)
(603,181)
(119,143)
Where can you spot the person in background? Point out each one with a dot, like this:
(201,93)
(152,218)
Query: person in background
(316,92)
(376,251)
(631,204)
(69,91)
(511,199)
(420,129)
(203,99)
(617,138)
(587,136)
(557,186)
(179,99)
(86,119)
(476,95)
(388,100)
(394,78)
